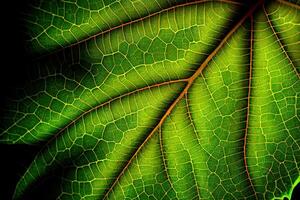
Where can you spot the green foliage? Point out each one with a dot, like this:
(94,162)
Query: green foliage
(156,99)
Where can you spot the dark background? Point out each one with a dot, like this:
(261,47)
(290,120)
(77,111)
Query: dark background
(15,62)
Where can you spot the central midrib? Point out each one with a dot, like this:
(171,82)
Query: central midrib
(190,81)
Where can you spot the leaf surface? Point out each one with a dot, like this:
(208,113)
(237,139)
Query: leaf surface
(161,100)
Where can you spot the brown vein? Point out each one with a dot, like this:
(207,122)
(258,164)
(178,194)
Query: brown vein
(280,43)
(183,92)
(141,19)
(289,4)
(154,14)
(248,106)
(110,101)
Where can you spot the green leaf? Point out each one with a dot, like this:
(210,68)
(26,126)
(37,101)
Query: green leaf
(161,99)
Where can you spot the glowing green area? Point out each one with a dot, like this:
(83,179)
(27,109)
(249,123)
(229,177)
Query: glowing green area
(55,24)
(288,194)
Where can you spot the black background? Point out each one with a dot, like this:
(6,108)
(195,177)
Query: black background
(15,62)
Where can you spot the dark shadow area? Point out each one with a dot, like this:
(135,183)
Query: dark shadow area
(296,192)
(14,161)
(15,62)
(46,188)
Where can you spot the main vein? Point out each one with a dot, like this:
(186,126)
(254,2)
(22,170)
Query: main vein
(190,81)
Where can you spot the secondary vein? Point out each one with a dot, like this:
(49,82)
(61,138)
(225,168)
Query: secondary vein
(289,4)
(138,20)
(183,92)
(110,101)
(280,43)
(248,107)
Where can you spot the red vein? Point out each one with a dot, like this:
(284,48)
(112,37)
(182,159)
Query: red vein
(183,92)
(248,106)
(289,4)
(280,43)
(151,15)
(141,19)
(110,101)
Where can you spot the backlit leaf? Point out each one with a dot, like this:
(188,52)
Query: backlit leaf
(157,99)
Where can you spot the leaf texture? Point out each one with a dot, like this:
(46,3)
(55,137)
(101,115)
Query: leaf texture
(161,99)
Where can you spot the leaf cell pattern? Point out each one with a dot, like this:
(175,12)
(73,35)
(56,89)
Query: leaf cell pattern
(161,99)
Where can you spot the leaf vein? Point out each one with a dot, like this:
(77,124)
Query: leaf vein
(190,81)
